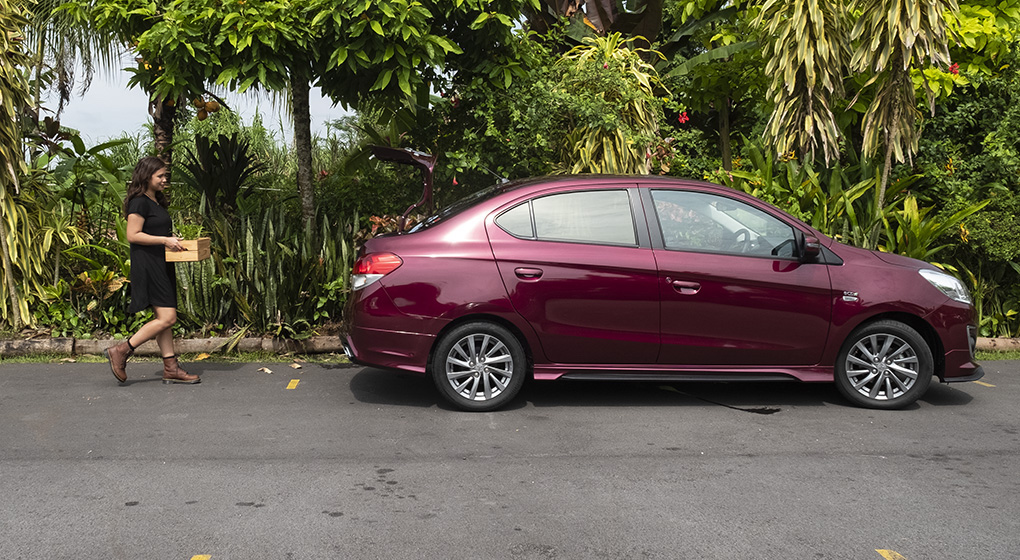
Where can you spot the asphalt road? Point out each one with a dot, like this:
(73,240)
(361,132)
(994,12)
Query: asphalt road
(345,462)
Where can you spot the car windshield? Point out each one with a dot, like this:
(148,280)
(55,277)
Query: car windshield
(459,206)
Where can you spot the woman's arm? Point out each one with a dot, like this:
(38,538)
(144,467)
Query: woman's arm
(136,236)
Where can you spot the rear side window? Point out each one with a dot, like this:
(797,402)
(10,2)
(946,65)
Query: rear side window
(517,221)
(599,217)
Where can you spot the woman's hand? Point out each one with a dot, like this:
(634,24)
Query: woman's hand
(173,243)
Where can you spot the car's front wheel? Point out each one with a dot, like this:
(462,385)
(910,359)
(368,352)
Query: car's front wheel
(479,366)
(885,364)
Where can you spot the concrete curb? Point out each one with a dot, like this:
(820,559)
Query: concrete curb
(313,345)
(998,344)
(72,346)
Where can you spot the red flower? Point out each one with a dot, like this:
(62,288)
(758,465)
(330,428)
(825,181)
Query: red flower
(683,117)
(954,69)
(455,183)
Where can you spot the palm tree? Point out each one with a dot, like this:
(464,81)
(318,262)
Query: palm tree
(893,38)
(122,23)
(807,54)
(14,98)
(66,46)
(808,58)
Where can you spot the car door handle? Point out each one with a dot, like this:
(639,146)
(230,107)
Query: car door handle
(528,273)
(685,288)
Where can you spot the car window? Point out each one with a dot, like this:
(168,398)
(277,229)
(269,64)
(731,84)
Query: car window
(460,205)
(693,221)
(602,217)
(517,221)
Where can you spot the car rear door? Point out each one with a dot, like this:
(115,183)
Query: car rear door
(732,292)
(578,267)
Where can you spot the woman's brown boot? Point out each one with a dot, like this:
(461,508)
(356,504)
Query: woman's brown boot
(172,372)
(118,355)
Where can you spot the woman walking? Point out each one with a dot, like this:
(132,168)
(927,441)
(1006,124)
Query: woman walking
(153,282)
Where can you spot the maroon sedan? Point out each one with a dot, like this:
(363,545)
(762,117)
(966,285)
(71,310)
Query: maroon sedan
(649,278)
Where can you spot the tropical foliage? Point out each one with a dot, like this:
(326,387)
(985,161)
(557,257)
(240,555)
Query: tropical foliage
(13,103)
(885,124)
(807,57)
(621,106)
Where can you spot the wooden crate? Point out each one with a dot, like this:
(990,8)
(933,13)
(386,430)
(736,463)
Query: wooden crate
(195,250)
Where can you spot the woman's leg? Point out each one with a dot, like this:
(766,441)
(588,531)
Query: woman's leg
(159,328)
(165,338)
(172,372)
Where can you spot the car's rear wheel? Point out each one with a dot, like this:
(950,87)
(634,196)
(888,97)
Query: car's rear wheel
(885,364)
(479,366)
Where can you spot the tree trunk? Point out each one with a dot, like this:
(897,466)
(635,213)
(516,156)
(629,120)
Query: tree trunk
(724,133)
(891,133)
(38,76)
(163,112)
(12,287)
(303,145)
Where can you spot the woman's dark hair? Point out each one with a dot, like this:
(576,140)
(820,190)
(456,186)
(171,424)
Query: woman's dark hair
(146,168)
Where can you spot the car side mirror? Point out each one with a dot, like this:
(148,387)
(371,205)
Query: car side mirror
(808,247)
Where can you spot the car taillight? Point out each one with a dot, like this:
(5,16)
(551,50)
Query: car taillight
(372,267)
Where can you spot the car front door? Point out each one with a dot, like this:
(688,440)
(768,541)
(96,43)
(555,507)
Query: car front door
(733,293)
(578,267)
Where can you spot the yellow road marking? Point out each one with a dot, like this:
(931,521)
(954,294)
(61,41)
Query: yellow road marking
(293,384)
(201,557)
(890,555)
(982,383)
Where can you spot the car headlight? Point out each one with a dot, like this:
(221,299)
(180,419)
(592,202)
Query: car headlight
(947,284)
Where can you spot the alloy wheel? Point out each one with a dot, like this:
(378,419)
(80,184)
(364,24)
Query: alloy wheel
(479,367)
(882,367)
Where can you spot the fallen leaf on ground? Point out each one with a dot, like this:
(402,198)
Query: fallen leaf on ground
(295,366)
(202,356)
(265,370)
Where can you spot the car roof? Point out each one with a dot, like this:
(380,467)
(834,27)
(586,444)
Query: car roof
(520,186)
(598,179)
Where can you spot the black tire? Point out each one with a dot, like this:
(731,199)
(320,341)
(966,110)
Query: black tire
(884,365)
(479,366)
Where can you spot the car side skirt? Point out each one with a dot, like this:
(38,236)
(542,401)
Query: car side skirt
(670,373)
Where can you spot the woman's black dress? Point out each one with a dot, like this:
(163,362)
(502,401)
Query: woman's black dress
(153,282)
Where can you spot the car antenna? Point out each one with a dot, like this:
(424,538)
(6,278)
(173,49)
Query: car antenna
(502,180)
